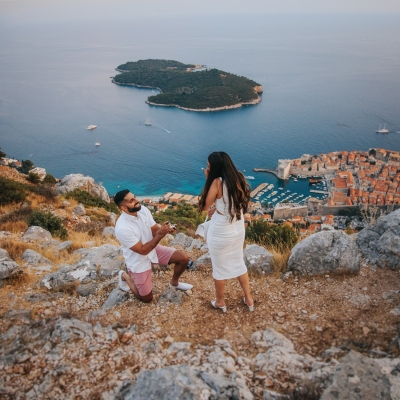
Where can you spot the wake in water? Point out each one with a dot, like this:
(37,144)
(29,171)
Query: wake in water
(155,123)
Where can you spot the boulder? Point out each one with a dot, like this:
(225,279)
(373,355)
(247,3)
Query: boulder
(79,210)
(182,240)
(64,245)
(324,252)
(271,395)
(40,172)
(36,234)
(69,330)
(116,297)
(112,218)
(108,259)
(34,258)
(60,280)
(86,183)
(172,296)
(258,259)
(380,243)
(281,363)
(202,262)
(8,266)
(5,235)
(357,377)
(109,232)
(86,289)
(179,382)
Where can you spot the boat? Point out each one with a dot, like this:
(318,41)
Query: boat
(97,144)
(91,127)
(250,177)
(295,179)
(314,181)
(147,123)
(280,188)
(382,130)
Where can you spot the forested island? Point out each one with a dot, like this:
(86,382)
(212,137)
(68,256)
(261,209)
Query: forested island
(189,86)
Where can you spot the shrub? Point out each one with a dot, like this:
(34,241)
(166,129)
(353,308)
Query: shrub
(33,178)
(49,179)
(88,200)
(49,222)
(27,165)
(46,190)
(185,216)
(11,191)
(281,237)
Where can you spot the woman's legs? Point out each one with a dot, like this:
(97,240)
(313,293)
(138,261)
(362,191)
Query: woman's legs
(244,283)
(220,292)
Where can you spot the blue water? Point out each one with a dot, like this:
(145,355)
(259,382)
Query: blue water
(329,82)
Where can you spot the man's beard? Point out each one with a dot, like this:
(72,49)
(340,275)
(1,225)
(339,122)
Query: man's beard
(134,209)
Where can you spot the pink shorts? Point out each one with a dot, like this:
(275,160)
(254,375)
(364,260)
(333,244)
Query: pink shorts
(164,254)
(143,280)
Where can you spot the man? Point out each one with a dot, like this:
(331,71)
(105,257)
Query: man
(139,236)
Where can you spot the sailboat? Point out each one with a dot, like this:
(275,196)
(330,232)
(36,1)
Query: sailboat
(147,123)
(382,130)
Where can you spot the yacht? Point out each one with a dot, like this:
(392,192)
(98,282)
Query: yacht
(147,123)
(91,127)
(250,177)
(97,144)
(382,130)
(295,179)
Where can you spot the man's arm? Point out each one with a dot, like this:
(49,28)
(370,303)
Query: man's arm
(158,233)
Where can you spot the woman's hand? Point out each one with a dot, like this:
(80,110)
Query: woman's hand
(211,211)
(206,171)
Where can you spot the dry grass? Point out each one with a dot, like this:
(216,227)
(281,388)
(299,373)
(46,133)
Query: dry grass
(280,260)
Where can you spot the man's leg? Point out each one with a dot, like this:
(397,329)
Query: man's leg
(146,299)
(181,261)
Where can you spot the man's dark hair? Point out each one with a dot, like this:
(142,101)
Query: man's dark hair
(120,196)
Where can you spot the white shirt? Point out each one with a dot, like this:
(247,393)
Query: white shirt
(130,230)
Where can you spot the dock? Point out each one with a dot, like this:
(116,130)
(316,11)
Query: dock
(319,191)
(258,189)
(271,171)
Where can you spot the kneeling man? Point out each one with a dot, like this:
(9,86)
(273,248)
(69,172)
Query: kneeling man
(139,236)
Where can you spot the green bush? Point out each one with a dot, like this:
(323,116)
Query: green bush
(185,216)
(27,165)
(282,237)
(33,178)
(49,222)
(49,179)
(11,191)
(88,200)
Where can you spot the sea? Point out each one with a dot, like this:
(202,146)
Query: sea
(329,82)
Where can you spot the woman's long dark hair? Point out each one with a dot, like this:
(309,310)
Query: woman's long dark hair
(221,166)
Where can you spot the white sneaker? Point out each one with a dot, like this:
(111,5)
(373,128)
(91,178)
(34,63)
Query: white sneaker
(182,286)
(123,285)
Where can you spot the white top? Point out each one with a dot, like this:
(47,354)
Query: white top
(130,230)
(222,204)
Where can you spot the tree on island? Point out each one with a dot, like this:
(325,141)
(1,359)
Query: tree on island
(2,154)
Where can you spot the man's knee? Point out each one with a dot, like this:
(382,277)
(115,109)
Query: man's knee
(181,257)
(148,298)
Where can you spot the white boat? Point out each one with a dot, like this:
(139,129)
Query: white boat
(382,130)
(91,127)
(97,144)
(280,188)
(147,123)
(250,177)
(295,179)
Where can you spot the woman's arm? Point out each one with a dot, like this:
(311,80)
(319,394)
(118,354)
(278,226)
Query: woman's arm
(214,192)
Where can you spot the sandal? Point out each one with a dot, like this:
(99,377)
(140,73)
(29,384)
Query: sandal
(223,308)
(251,308)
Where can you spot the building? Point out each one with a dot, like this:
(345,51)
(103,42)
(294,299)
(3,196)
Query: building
(289,210)
(283,170)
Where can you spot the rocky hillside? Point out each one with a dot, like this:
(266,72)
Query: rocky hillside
(326,326)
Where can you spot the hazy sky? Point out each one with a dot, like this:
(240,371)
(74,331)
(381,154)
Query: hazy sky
(97,9)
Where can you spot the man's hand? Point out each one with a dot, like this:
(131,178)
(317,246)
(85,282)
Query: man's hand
(164,229)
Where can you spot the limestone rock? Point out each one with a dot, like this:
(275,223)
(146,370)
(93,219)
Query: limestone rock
(5,235)
(112,217)
(182,240)
(172,296)
(69,330)
(86,183)
(60,280)
(109,232)
(79,210)
(34,258)
(258,259)
(36,234)
(202,262)
(323,252)
(271,395)
(357,377)
(107,258)
(64,245)
(180,382)
(86,289)
(116,297)
(8,266)
(40,172)
(380,243)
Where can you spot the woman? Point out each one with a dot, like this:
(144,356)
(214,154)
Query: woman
(227,188)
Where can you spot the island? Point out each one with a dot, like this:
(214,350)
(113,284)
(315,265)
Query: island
(190,87)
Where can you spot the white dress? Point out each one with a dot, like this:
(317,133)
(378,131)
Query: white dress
(225,242)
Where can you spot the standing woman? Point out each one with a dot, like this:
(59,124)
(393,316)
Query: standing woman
(227,188)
